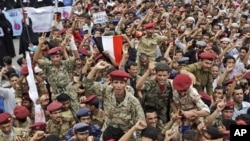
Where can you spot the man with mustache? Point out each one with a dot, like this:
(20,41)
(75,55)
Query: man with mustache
(201,73)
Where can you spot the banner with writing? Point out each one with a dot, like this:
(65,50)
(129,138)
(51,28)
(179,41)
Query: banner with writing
(41,18)
(100,17)
(15,18)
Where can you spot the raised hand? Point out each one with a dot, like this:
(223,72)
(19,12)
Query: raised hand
(101,65)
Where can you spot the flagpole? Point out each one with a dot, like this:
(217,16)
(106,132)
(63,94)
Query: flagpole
(56,5)
(27,30)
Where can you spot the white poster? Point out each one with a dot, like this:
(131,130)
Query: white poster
(15,18)
(100,17)
(41,18)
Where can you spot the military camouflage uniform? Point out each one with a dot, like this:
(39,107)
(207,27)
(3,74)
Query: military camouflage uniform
(98,118)
(60,129)
(204,79)
(160,101)
(68,115)
(16,132)
(60,81)
(124,114)
(24,125)
(191,101)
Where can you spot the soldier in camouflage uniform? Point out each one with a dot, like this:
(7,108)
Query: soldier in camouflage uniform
(201,72)
(57,124)
(57,71)
(22,119)
(10,133)
(157,93)
(188,101)
(122,108)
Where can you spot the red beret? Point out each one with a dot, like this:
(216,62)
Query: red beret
(38,126)
(24,70)
(207,55)
(149,25)
(205,96)
(5,118)
(119,75)
(25,96)
(62,31)
(54,106)
(230,81)
(182,82)
(89,99)
(229,105)
(21,112)
(247,75)
(98,57)
(83,51)
(55,50)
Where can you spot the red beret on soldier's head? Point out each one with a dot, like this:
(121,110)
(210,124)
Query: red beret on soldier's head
(98,57)
(90,98)
(230,81)
(5,118)
(205,96)
(119,75)
(83,51)
(24,70)
(229,105)
(182,82)
(247,75)
(207,55)
(38,126)
(21,112)
(25,96)
(55,51)
(149,25)
(54,106)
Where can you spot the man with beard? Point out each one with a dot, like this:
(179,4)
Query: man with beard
(57,124)
(200,72)
(8,132)
(157,93)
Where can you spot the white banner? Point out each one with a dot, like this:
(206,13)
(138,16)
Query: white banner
(15,18)
(41,18)
(100,17)
(33,93)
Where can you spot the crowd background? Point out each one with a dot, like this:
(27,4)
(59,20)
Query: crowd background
(184,72)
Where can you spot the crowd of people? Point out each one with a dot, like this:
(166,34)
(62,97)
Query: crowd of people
(184,73)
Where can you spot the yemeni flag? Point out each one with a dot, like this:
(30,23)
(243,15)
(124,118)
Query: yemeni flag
(112,44)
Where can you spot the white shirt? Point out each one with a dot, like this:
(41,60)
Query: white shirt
(243,110)
(9,98)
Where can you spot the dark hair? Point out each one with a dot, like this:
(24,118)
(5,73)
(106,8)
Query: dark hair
(94,102)
(20,61)
(244,48)
(112,133)
(52,137)
(10,71)
(248,111)
(237,87)
(220,88)
(62,97)
(131,64)
(227,58)
(214,132)
(189,135)
(244,117)
(143,55)
(160,58)
(162,67)
(228,122)
(149,132)
(148,109)
(7,60)
(13,75)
